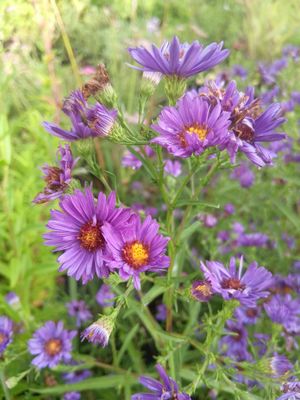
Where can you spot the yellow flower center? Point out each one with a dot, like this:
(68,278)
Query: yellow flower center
(200,131)
(90,236)
(204,289)
(3,337)
(53,347)
(136,254)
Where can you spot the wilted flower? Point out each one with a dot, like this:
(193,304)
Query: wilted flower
(231,284)
(105,296)
(137,248)
(58,178)
(178,59)
(202,291)
(77,232)
(191,127)
(99,332)
(101,119)
(6,332)
(51,344)
(168,389)
(79,310)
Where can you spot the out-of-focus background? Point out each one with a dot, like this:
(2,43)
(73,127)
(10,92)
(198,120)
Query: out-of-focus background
(50,47)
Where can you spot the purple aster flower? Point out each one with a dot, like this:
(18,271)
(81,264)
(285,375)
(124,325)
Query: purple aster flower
(58,178)
(77,376)
(161,312)
(248,316)
(280,365)
(291,391)
(287,106)
(191,127)
(269,96)
(131,161)
(77,232)
(202,291)
(236,341)
(229,209)
(168,389)
(244,175)
(86,122)
(224,236)
(239,70)
(290,50)
(51,344)
(231,284)
(173,168)
(79,310)
(285,311)
(178,59)
(6,332)
(295,96)
(256,239)
(141,208)
(99,332)
(289,240)
(105,296)
(249,125)
(238,228)
(209,220)
(296,264)
(138,248)
(12,299)
(269,72)
(72,396)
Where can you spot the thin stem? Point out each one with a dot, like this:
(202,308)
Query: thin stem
(4,386)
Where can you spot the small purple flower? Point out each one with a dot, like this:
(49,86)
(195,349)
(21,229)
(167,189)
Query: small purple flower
(161,312)
(269,72)
(77,376)
(239,70)
(191,127)
(58,178)
(173,168)
(248,316)
(105,296)
(178,59)
(99,332)
(209,220)
(244,175)
(235,343)
(79,310)
(255,239)
(168,389)
(131,161)
(295,96)
(231,284)
(269,96)
(51,344)
(6,332)
(285,311)
(77,232)
(280,365)
(12,299)
(86,122)
(72,396)
(138,248)
(229,209)
(261,343)
(202,291)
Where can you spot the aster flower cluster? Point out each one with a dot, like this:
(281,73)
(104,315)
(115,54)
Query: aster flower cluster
(154,241)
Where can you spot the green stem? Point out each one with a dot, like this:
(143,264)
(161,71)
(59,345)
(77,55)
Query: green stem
(4,386)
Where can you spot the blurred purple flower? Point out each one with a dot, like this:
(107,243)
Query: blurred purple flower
(239,70)
(51,344)
(244,175)
(248,316)
(6,332)
(105,296)
(161,312)
(235,342)
(79,310)
(173,168)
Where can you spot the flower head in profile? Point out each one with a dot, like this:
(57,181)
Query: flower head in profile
(86,122)
(178,59)
(51,344)
(201,291)
(99,332)
(6,332)
(231,283)
(137,248)
(79,310)
(57,178)
(76,231)
(191,127)
(279,365)
(167,389)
